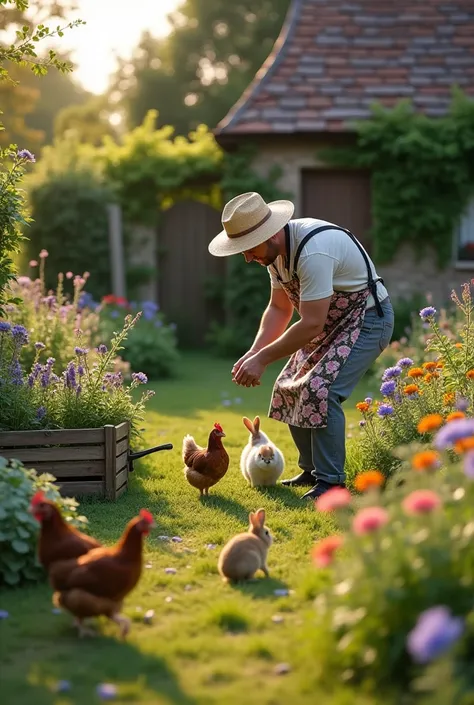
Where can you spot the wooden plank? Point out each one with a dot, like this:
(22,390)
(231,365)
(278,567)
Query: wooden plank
(72,469)
(110,460)
(122,430)
(64,453)
(79,436)
(121,447)
(121,462)
(121,478)
(122,490)
(77,489)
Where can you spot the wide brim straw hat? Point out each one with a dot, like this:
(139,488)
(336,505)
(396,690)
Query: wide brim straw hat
(248,222)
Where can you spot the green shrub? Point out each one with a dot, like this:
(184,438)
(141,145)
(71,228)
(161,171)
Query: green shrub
(18,528)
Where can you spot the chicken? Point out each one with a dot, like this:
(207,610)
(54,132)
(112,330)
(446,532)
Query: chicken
(57,540)
(205,467)
(97,583)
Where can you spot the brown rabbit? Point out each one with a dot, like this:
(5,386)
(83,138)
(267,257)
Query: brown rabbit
(246,553)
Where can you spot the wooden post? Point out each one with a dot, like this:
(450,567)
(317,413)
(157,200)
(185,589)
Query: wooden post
(110,456)
(116,250)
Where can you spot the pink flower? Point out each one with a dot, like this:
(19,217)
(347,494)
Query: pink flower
(332,366)
(86,275)
(323,406)
(343,351)
(421,502)
(277,401)
(322,393)
(69,275)
(316,383)
(79,281)
(323,552)
(336,498)
(340,338)
(33,263)
(315,419)
(305,394)
(354,336)
(307,410)
(369,520)
(342,303)
(43,254)
(277,415)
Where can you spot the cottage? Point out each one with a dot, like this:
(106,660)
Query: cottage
(330,62)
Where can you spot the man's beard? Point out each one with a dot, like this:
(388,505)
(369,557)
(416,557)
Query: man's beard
(270,255)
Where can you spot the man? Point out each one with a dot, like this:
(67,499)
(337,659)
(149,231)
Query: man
(346,321)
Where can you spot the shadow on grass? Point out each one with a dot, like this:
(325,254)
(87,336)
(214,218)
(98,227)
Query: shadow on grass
(225,505)
(284,495)
(260,588)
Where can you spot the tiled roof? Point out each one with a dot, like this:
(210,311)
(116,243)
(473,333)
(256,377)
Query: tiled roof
(334,58)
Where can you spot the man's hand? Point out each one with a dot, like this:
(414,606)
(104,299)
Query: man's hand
(250,371)
(239,362)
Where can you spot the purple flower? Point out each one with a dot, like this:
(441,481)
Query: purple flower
(40,346)
(149,310)
(388,388)
(362,423)
(26,154)
(140,377)
(20,334)
(49,301)
(427,313)
(462,404)
(368,400)
(4,614)
(102,349)
(385,410)
(391,373)
(107,691)
(41,413)
(405,362)
(78,390)
(5,326)
(80,351)
(16,373)
(50,361)
(435,631)
(454,431)
(70,376)
(80,370)
(114,314)
(469,465)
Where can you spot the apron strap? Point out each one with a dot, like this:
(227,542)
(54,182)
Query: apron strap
(372,283)
(287,257)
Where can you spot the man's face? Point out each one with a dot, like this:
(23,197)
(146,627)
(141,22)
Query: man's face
(265,254)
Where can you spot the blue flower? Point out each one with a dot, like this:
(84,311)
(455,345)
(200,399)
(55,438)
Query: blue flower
(388,388)
(454,431)
(426,314)
(385,410)
(41,413)
(369,400)
(40,346)
(102,349)
(26,155)
(80,351)
(391,373)
(20,334)
(5,326)
(435,631)
(16,373)
(405,362)
(140,377)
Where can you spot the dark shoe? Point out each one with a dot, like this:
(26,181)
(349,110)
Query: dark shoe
(304,479)
(319,489)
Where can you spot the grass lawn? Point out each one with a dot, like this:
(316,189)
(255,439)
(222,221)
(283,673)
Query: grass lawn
(208,642)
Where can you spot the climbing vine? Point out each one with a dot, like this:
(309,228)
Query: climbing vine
(422,175)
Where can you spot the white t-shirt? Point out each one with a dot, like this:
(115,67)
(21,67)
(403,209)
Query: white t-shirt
(329,261)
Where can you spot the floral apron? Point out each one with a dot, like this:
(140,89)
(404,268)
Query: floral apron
(300,393)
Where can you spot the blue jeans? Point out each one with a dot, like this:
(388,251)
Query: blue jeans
(323,450)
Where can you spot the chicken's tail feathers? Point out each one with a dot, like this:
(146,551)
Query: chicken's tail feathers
(189,446)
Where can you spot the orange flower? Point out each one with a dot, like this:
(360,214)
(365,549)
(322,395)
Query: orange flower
(430,376)
(363,406)
(440,365)
(416,372)
(430,423)
(368,480)
(426,460)
(411,389)
(430,366)
(463,445)
(470,374)
(458,345)
(455,415)
(448,398)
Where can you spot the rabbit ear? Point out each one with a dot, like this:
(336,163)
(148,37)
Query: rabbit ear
(253,519)
(256,424)
(260,517)
(248,424)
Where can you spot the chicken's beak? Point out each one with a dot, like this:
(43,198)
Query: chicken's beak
(221,434)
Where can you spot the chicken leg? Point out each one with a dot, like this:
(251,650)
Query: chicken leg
(123,622)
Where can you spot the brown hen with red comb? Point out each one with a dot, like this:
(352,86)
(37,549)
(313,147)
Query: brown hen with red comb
(204,467)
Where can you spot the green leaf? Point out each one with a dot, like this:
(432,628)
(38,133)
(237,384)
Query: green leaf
(20,546)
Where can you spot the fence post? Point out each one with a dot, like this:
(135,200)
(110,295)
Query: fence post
(116,250)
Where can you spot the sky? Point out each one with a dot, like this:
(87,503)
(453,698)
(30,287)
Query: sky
(113,28)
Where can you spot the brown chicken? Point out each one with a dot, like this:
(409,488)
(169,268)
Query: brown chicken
(205,466)
(96,584)
(58,540)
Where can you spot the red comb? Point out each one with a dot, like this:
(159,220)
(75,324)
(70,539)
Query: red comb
(37,498)
(218,427)
(146,515)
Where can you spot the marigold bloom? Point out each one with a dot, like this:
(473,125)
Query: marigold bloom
(411,389)
(430,366)
(363,406)
(426,460)
(431,375)
(464,445)
(439,365)
(336,498)
(454,415)
(421,502)
(470,374)
(430,423)
(368,479)
(416,372)
(449,398)
(369,520)
(323,552)
(458,345)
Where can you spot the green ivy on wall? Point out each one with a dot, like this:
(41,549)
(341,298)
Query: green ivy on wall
(422,175)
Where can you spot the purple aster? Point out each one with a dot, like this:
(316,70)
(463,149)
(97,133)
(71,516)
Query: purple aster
(391,373)
(41,413)
(80,351)
(435,631)
(385,410)
(388,388)
(454,431)
(427,313)
(469,465)
(405,362)
(140,377)
(102,349)
(5,326)
(20,334)
(40,346)
(26,154)
(46,376)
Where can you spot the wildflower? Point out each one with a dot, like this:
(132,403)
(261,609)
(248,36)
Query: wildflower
(469,465)
(45,377)
(323,552)
(464,445)
(102,349)
(448,398)
(462,404)
(33,263)
(388,388)
(431,375)
(40,346)
(385,410)
(362,423)
(470,374)
(43,254)
(80,351)
(426,314)
(426,460)
(368,480)
(455,431)
(416,372)
(362,406)
(41,413)
(411,389)
(80,370)
(140,377)
(391,373)
(70,376)
(107,691)
(458,345)
(455,415)
(16,373)
(336,498)
(50,361)
(435,631)
(429,366)
(405,362)
(26,154)
(5,326)
(69,275)
(421,502)
(439,365)
(109,299)
(20,334)
(369,520)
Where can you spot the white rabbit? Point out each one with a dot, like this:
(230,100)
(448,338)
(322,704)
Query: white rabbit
(261,461)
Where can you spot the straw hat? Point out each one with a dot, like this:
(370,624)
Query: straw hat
(248,221)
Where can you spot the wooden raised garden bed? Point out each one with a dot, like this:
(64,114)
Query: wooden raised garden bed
(88,461)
